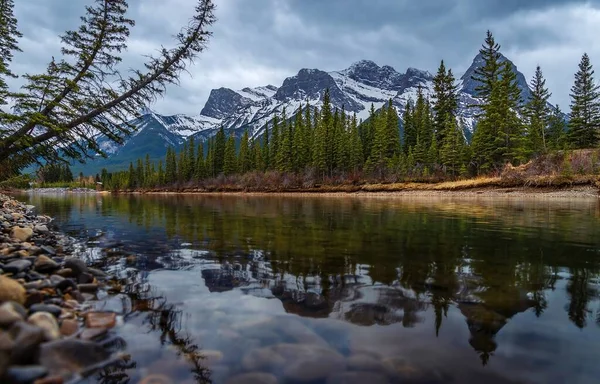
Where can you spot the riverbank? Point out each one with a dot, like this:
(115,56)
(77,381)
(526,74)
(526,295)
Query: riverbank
(49,331)
(560,188)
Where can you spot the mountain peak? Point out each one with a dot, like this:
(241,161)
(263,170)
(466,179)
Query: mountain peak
(368,72)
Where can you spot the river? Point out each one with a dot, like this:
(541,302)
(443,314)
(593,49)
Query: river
(345,289)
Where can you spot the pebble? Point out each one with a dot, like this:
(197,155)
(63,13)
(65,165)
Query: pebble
(10,314)
(25,374)
(55,310)
(87,287)
(77,266)
(21,234)
(27,340)
(41,228)
(253,378)
(47,322)
(69,327)
(100,319)
(85,278)
(6,346)
(45,264)
(11,290)
(17,266)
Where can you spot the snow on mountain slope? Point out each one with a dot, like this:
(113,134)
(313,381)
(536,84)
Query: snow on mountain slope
(355,89)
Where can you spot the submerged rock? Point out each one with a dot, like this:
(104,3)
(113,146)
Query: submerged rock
(100,319)
(71,355)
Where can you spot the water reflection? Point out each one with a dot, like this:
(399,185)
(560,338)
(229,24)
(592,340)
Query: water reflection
(425,278)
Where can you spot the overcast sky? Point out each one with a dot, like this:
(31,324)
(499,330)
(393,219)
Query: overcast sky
(259,42)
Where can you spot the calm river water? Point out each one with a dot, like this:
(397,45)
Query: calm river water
(243,289)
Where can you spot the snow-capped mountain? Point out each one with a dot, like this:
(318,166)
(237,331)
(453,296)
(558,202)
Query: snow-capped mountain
(354,89)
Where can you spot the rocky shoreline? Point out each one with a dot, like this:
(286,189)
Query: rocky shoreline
(49,332)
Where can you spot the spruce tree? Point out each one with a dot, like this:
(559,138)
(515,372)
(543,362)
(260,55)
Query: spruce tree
(487,75)
(584,123)
(132,176)
(512,144)
(537,113)
(445,100)
(244,155)
(392,128)
(452,152)
(275,143)
(219,152)
(148,172)
(410,129)
(200,168)
(83,90)
(171,166)
(264,162)
(161,174)
(190,159)
(356,152)
(229,162)
(556,136)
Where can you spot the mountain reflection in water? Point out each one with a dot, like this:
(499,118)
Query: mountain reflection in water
(428,280)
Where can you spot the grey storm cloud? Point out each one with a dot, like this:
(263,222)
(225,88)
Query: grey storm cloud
(259,42)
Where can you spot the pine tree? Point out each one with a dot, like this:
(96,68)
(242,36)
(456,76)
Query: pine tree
(433,152)
(445,100)
(299,151)
(264,162)
(275,139)
(161,173)
(148,172)
(410,129)
(171,166)
(487,75)
(219,152)
(392,145)
(190,159)
(78,94)
(200,168)
(556,135)
(230,164)
(8,44)
(537,113)
(584,125)
(132,176)
(452,152)
(244,155)
(356,153)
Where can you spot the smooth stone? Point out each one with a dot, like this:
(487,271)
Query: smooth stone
(11,290)
(89,288)
(65,272)
(69,327)
(100,319)
(253,378)
(93,333)
(21,234)
(9,314)
(17,266)
(65,284)
(34,297)
(6,346)
(55,310)
(357,378)
(47,322)
(76,265)
(55,279)
(71,355)
(85,278)
(27,340)
(96,272)
(49,250)
(44,263)
(41,229)
(25,374)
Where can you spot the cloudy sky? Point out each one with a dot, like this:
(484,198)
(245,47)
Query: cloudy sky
(259,42)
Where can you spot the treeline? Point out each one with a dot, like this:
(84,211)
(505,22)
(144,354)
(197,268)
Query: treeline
(330,144)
